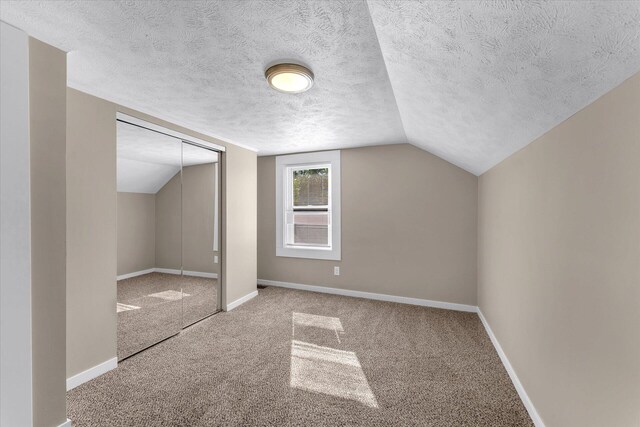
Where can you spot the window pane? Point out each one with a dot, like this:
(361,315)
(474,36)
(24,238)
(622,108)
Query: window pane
(311,187)
(311,228)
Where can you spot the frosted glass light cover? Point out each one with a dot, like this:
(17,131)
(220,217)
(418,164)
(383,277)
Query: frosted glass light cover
(289,78)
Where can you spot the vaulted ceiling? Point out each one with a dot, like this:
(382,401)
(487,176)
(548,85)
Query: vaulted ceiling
(469,81)
(147,160)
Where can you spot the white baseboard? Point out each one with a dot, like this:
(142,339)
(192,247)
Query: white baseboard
(66,423)
(242,300)
(91,373)
(370,295)
(528,404)
(135,274)
(200,274)
(168,271)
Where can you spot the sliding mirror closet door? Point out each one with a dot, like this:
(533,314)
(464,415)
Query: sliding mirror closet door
(149,228)
(200,256)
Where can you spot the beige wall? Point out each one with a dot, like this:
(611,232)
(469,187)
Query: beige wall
(408,227)
(184,236)
(239,225)
(91,215)
(91,231)
(198,196)
(47,99)
(559,256)
(136,232)
(143,245)
(169,225)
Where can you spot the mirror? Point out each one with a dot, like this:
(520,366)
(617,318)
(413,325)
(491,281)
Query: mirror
(168,236)
(199,233)
(149,297)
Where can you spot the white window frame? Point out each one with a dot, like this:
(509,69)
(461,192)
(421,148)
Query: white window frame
(284,164)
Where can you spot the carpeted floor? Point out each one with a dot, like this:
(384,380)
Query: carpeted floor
(295,358)
(155,306)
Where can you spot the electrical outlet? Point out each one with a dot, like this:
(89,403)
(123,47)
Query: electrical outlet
(336,271)
(215,259)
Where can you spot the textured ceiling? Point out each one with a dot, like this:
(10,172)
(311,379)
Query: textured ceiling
(477,81)
(141,144)
(201,63)
(470,81)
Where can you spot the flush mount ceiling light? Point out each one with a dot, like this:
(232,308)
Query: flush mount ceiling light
(289,78)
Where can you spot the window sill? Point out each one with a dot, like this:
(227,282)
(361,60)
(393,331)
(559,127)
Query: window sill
(308,253)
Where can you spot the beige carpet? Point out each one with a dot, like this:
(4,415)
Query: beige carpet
(295,358)
(155,306)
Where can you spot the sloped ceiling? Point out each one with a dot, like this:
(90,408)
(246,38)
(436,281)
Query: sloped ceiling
(147,160)
(477,81)
(136,176)
(470,81)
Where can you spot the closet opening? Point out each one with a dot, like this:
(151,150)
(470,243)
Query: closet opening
(168,225)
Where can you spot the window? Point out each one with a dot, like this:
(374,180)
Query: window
(308,205)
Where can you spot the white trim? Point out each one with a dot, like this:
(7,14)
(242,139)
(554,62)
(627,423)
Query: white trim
(200,274)
(170,132)
(283,163)
(91,373)
(242,300)
(135,274)
(66,423)
(528,404)
(370,295)
(169,271)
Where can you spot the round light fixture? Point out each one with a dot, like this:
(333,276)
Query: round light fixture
(289,78)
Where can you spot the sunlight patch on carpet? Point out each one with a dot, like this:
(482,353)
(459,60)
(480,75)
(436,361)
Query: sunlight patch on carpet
(317,321)
(329,371)
(125,307)
(169,295)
